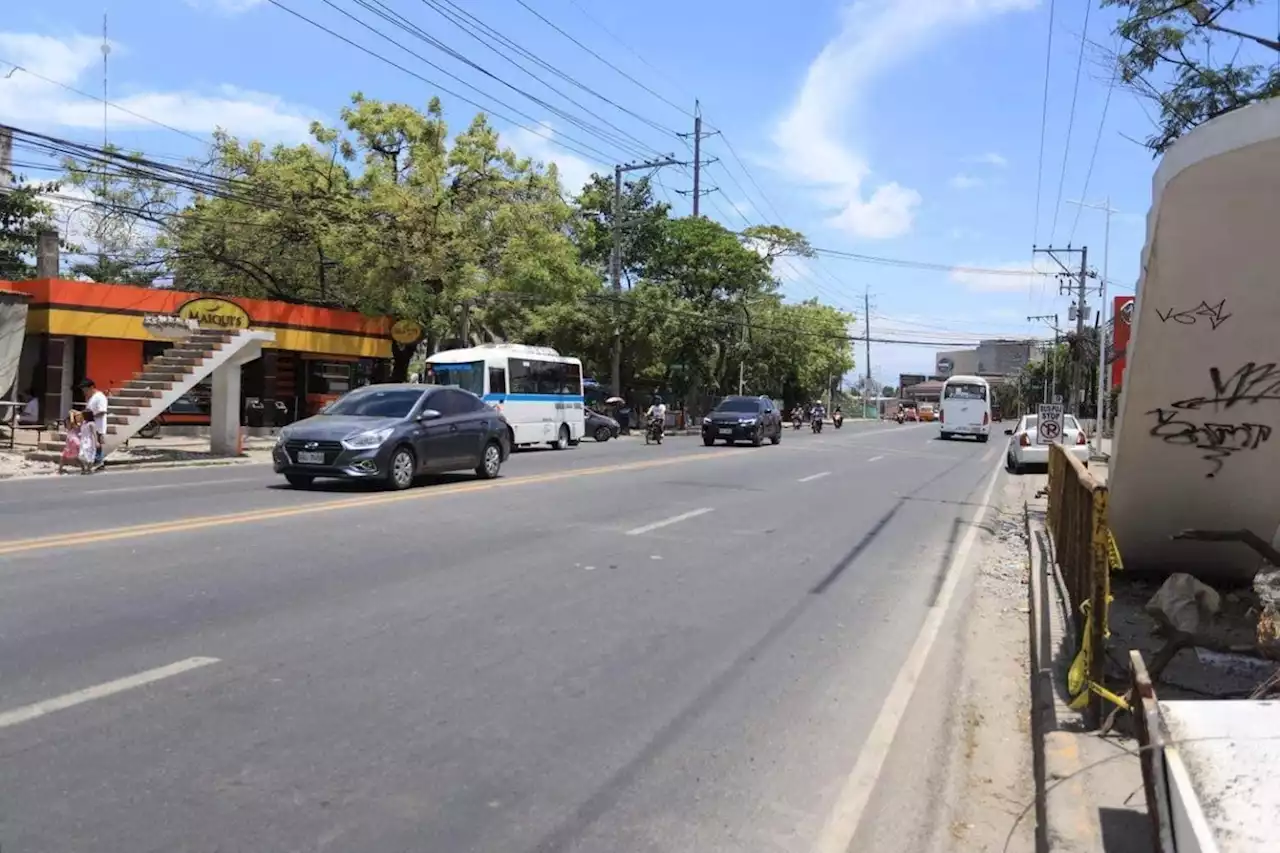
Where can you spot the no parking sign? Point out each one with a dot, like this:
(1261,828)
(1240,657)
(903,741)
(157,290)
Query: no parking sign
(1049,425)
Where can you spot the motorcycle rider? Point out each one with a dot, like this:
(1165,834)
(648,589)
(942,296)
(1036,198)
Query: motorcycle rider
(657,411)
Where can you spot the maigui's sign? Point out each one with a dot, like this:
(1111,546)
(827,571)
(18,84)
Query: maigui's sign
(213,313)
(406,332)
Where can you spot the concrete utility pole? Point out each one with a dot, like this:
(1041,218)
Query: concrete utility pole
(1102,301)
(698,162)
(1080,310)
(6,158)
(1053,361)
(866,325)
(615,258)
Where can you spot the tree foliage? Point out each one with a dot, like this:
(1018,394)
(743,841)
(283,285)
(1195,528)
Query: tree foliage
(1193,59)
(23,214)
(391,212)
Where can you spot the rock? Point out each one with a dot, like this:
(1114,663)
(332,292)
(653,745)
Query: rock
(1183,603)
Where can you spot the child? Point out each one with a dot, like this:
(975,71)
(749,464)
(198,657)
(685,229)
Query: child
(71,450)
(88,444)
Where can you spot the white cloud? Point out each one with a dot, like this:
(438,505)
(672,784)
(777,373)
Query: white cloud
(574,171)
(28,100)
(875,36)
(992,158)
(964,181)
(227,7)
(1004,277)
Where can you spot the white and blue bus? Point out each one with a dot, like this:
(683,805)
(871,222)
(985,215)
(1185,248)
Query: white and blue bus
(537,390)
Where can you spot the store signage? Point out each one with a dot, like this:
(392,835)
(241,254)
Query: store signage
(406,332)
(1126,313)
(168,325)
(214,313)
(945,366)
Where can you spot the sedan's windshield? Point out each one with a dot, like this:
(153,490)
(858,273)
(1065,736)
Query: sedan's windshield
(738,406)
(373,402)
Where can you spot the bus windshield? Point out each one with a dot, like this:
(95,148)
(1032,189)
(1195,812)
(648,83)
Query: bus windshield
(469,375)
(965,391)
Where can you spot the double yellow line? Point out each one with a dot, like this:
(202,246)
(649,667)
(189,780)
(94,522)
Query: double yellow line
(184,525)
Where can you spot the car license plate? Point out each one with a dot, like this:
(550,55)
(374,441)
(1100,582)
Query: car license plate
(310,457)
(726,431)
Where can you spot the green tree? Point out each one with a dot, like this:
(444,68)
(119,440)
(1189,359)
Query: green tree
(1194,60)
(23,214)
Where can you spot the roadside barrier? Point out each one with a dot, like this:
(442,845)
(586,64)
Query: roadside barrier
(1085,553)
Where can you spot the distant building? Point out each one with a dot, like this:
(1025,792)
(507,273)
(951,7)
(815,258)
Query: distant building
(996,357)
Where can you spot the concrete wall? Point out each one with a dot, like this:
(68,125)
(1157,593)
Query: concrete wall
(1194,444)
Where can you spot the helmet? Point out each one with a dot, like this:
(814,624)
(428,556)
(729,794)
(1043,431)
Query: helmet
(657,399)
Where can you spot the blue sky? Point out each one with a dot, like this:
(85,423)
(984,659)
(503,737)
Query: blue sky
(900,129)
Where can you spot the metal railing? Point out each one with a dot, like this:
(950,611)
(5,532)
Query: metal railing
(1085,553)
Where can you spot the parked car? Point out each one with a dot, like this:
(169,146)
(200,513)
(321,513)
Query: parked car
(1023,450)
(391,434)
(600,427)
(736,419)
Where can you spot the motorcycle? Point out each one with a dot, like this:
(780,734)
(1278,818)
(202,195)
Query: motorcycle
(817,424)
(898,418)
(795,422)
(653,431)
(837,419)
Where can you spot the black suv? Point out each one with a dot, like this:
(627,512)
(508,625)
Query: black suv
(736,419)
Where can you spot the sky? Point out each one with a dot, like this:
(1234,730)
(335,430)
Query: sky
(897,130)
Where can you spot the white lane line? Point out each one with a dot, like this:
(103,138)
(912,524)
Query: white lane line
(842,824)
(59,703)
(875,458)
(813,477)
(675,519)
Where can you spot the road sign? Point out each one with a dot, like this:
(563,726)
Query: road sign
(1049,424)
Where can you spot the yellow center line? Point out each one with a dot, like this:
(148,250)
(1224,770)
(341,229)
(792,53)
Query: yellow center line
(183,525)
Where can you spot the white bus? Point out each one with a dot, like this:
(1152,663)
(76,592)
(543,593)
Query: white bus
(965,408)
(537,390)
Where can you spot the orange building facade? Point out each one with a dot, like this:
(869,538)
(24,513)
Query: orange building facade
(85,329)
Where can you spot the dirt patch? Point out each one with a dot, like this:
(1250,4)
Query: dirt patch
(13,465)
(993,780)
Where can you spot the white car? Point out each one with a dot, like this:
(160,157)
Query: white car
(1024,451)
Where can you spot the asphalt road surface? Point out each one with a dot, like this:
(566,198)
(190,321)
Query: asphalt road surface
(610,648)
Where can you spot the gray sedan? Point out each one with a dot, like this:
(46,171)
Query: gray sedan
(393,433)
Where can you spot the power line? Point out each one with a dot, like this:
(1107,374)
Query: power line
(596,156)
(453,17)
(1071,120)
(624,74)
(617,136)
(1044,123)
(102,100)
(632,50)
(1088,175)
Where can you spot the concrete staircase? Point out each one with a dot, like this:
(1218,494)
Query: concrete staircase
(162,381)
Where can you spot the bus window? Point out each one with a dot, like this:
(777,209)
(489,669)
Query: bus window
(468,376)
(965,391)
(497,380)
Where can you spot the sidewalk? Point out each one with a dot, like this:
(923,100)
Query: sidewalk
(161,452)
(1089,791)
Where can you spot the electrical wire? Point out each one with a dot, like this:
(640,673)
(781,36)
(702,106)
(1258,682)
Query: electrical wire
(624,74)
(633,51)
(593,154)
(617,137)
(1088,175)
(1044,124)
(1071,120)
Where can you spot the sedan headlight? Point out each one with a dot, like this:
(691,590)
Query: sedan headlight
(282,437)
(706,421)
(367,440)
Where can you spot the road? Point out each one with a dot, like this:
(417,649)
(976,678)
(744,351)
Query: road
(610,648)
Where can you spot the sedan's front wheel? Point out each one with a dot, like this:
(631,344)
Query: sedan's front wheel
(403,467)
(490,462)
(603,433)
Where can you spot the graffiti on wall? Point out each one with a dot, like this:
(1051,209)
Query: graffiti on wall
(1250,384)
(1215,315)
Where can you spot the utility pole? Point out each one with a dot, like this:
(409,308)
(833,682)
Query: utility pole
(1102,300)
(1080,311)
(102,235)
(866,325)
(615,258)
(698,162)
(1052,359)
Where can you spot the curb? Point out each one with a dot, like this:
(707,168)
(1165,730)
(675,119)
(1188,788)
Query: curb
(1066,822)
(194,463)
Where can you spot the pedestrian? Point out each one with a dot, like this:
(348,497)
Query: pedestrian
(96,408)
(90,445)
